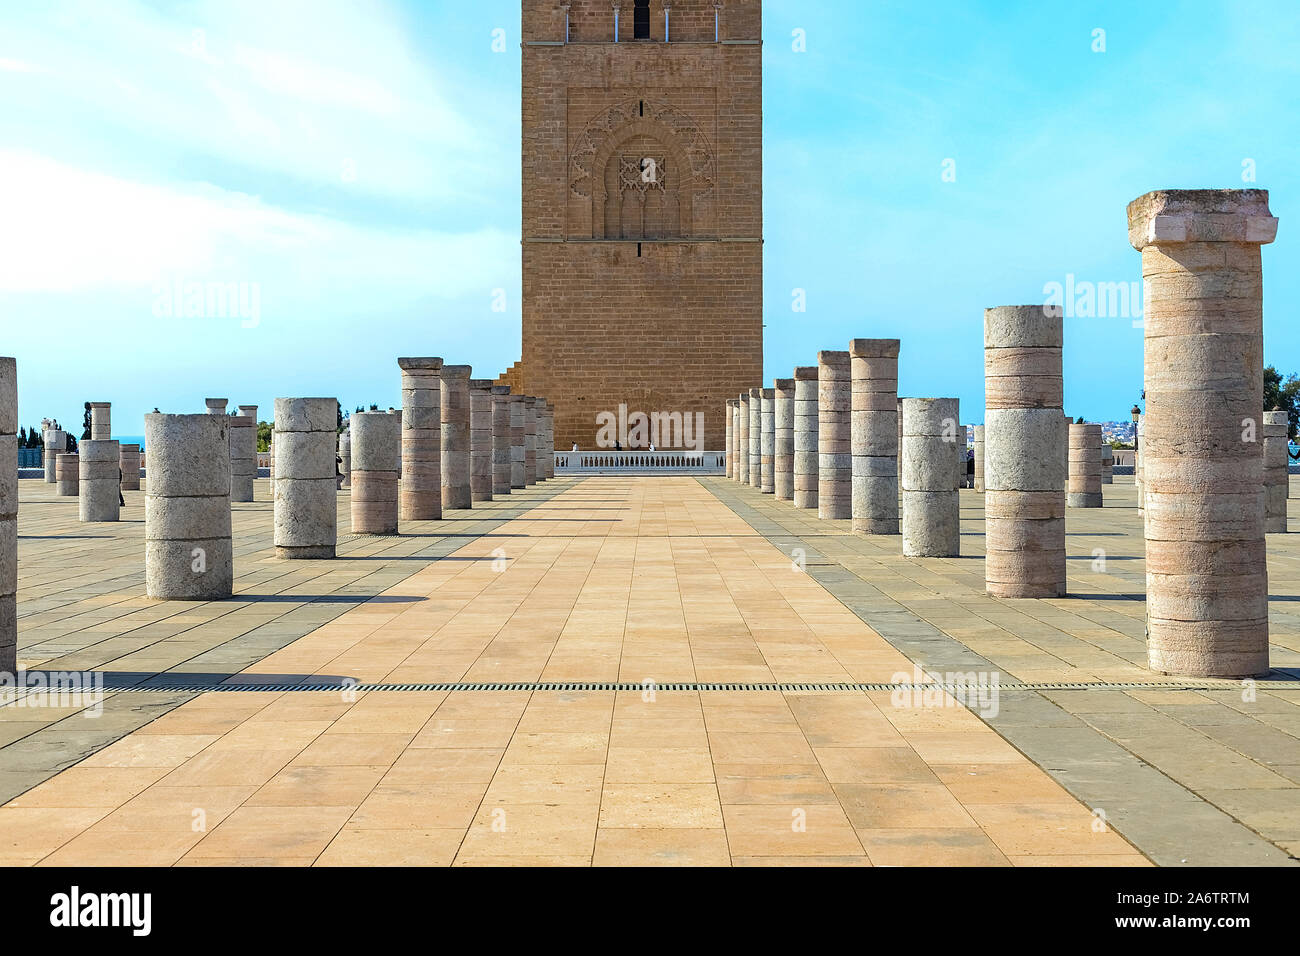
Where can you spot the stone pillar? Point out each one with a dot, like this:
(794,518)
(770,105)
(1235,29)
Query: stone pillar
(959,463)
(270,450)
(530,440)
(243,453)
(834,444)
(742,459)
(306,507)
(805,436)
(1202,468)
(455,437)
(518,476)
(345,455)
(56,442)
(500,440)
(66,470)
(767,440)
(1084,490)
(129,464)
(187,547)
(730,435)
(216,406)
(979,458)
(1137,464)
(1107,463)
(548,445)
(1276,426)
(377,450)
(9,515)
(873,372)
(480,439)
(1024,502)
(931,522)
(420,487)
(783,455)
(98,480)
(733,448)
(101,421)
(755,471)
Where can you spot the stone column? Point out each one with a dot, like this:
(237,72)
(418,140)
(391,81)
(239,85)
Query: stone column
(1084,490)
(979,458)
(1202,467)
(1024,501)
(742,459)
(187,547)
(98,480)
(500,440)
(306,507)
(243,453)
(455,437)
(548,441)
(345,455)
(270,450)
(9,515)
(733,447)
(931,522)
(216,406)
(1107,463)
(1137,464)
(530,440)
(56,442)
(959,464)
(755,471)
(101,421)
(518,475)
(129,464)
(783,455)
(480,439)
(66,469)
(767,440)
(730,435)
(420,487)
(805,436)
(377,450)
(873,371)
(1276,426)
(834,443)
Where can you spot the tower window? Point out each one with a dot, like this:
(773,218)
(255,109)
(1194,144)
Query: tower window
(641,20)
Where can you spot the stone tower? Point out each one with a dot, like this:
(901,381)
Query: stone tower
(642,210)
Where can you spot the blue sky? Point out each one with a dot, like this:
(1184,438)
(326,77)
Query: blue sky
(352,169)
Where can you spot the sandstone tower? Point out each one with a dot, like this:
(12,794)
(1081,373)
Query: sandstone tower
(642,209)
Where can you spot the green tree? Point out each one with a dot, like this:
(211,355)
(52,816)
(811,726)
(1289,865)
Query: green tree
(85,419)
(264,436)
(1283,394)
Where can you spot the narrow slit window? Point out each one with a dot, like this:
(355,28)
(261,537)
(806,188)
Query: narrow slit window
(641,20)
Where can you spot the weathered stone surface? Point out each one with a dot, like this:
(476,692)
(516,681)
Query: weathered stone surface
(500,439)
(243,453)
(1276,460)
(767,440)
(931,524)
(518,476)
(873,365)
(376,452)
(66,472)
(101,421)
(742,459)
(755,433)
(730,462)
(979,458)
(98,480)
(783,441)
(1084,490)
(56,443)
(806,465)
(455,437)
(420,495)
(306,517)
(530,440)
(1107,464)
(834,436)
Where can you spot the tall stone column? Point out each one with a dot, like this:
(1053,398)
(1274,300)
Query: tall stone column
(243,453)
(216,406)
(9,515)
(518,475)
(783,456)
(420,485)
(1084,489)
(1276,426)
(1024,481)
(345,456)
(733,448)
(834,441)
(1107,463)
(56,442)
(806,466)
(873,372)
(1137,464)
(455,437)
(979,458)
(548,441)
(730,435)
(767,440)
(101,421)
(742,459)
(480,439)
(98,480)
(500,440)
(66,470)
(1202,465)
(270,450)
(530,440)
(959,463)
(376,452)
(931,522)
(187,547)
(755,438)
(129,463)
(306,507)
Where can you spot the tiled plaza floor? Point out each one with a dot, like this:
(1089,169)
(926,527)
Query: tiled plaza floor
(619,579)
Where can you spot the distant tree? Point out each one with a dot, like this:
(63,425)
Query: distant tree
(22,437)
(1079,420)
(1283,394)
(264,436)
(85,419)
(338,407)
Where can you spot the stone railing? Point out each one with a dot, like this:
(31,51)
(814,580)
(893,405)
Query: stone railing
(640,462)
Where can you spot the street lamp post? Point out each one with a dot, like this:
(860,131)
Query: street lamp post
(1136,414)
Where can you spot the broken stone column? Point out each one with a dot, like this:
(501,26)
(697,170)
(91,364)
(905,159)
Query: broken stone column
(480,439)
(1024,481)
(755,438)
(420,484)
(518,476)
(806,465)
(56,442)
(98,480)
(306,506)
(730,423)
(783,453)
(1276,426)
(873,371)
(129,463)
(1084,490)
(65,474)
(1202,471)
(979,458)
(530,440)
(243,453)
(742,459)
(767,440)
(834,439)
(455,437)
(9,515)
(931,522)
(1107,463)
(500,440)
(187,546)
(376,451)
(101,421)
(216,406)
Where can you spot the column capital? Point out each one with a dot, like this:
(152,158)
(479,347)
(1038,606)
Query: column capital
(1170,216)
(424,364)
(873,348)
